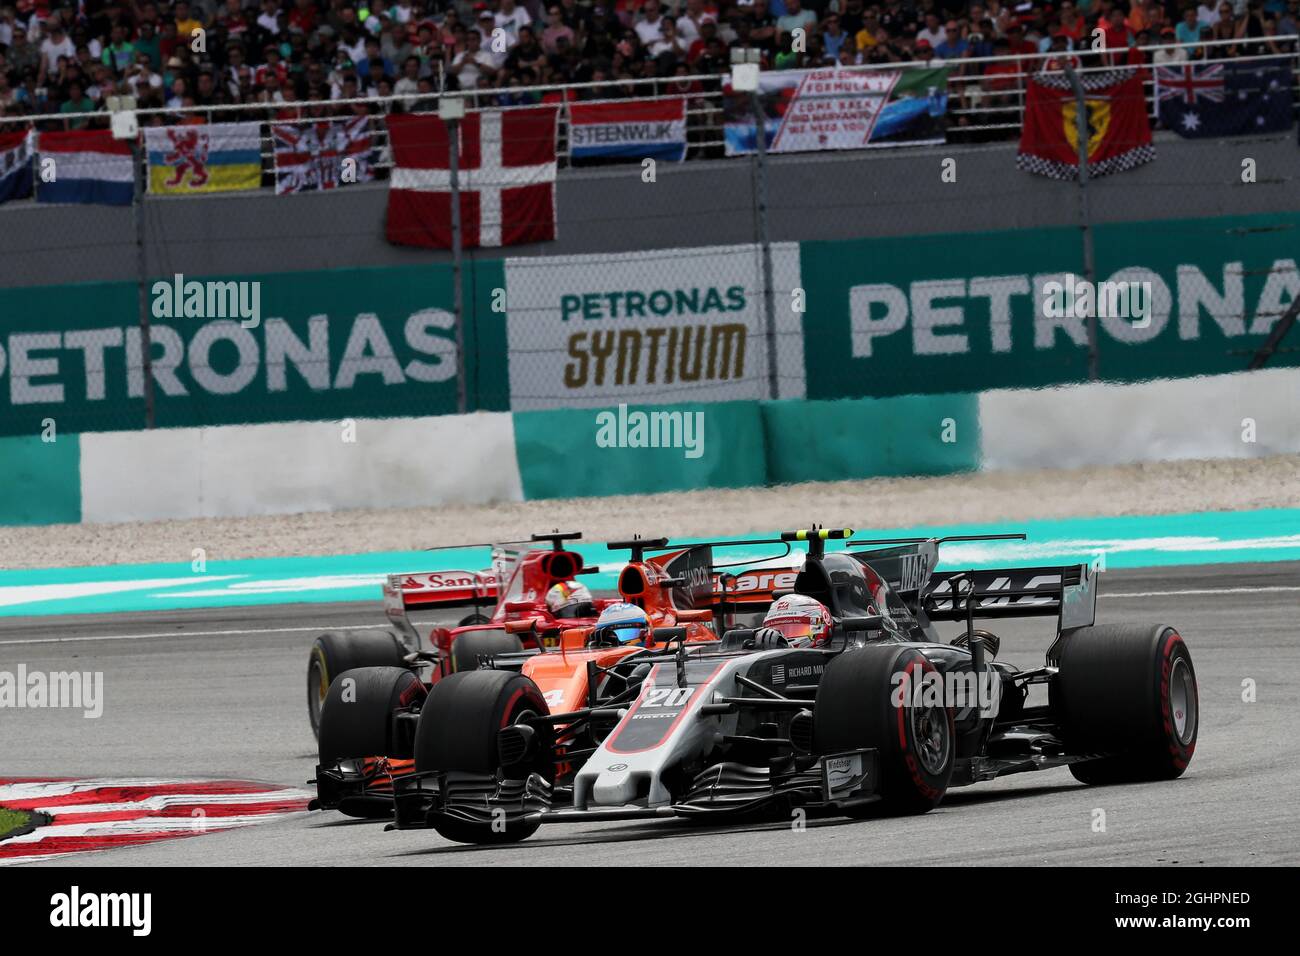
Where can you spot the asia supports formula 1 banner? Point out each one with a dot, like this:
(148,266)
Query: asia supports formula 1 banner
(834,108)
(251,348)
(671,325)
(968,312)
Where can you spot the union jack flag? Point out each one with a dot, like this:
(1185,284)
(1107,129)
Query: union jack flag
(1190,83)
(322,155)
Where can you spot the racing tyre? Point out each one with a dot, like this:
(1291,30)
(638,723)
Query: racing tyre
(458,732)
(1127,691)
(915,744)
(338,651)
(468,647)
(356,719)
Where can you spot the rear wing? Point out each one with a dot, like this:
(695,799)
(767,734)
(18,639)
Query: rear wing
(433,590)
(1069,593)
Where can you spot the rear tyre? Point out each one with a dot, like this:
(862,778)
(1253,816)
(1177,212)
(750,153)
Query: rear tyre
(915,743)
(467,648)
(338,651)
(1127,692)
(458,733)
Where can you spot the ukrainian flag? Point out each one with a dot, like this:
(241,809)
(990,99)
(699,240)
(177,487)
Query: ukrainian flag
(211,158)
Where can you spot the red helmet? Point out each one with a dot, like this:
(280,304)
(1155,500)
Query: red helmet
(801,620)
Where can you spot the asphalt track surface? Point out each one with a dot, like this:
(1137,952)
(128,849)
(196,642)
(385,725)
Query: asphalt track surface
(222,693)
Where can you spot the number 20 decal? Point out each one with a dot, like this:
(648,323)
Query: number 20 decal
(667,696)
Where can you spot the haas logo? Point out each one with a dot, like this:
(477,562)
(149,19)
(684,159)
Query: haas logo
(189,154)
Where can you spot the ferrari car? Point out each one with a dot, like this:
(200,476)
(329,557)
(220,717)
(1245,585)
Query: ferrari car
(882,717)
(373,725)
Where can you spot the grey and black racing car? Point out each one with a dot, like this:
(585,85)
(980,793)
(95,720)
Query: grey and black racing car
(882,717)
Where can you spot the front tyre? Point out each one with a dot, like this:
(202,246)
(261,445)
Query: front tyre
(457,734)
(1128,693)
(858,705)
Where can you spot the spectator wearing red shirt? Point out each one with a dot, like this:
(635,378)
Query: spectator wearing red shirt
(274,66)
(303,16)
(1117,37)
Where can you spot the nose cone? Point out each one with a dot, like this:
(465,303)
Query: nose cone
(614,788)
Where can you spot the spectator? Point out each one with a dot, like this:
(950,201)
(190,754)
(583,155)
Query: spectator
(833,36)
(932,33)
(796,18)
(1168,57)
(510,18)
(76,102)
(472,62)
(55,45)
(1189,30)
(953,45)
(120,53)
(556,28)
(649,29)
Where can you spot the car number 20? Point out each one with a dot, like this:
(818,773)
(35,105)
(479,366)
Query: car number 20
(666,696)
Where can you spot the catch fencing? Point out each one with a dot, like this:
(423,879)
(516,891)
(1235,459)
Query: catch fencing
(766,275)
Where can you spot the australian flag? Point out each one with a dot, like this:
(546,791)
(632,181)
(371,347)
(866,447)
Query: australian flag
(1224,99)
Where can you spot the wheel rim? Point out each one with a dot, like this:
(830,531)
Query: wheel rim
(930,732)
(1182,701)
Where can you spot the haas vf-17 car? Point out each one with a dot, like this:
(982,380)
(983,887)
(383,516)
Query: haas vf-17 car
(882,715)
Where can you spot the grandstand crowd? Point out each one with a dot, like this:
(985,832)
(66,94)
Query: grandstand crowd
(69,56)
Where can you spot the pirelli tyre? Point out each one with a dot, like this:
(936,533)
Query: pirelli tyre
(858,706)
(1127,692)
(457,733)
(337,651)
(468,649)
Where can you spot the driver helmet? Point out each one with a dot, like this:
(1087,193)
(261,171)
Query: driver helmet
(801,620)
(567,599)
(622,624)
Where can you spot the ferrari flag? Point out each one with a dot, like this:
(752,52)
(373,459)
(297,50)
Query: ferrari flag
(1119,132)
(506,178)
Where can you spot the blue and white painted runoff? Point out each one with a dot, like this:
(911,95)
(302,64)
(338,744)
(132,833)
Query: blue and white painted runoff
(1115,542)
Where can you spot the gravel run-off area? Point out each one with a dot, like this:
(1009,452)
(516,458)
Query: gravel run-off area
(1146,489)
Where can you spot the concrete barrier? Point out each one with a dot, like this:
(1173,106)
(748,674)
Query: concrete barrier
(1246,415)
(487,457)
(299,466)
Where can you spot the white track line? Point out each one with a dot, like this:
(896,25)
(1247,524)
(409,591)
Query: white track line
(1259,590)
(320,628)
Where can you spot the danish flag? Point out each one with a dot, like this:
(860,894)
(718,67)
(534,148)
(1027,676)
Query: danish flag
(506,178)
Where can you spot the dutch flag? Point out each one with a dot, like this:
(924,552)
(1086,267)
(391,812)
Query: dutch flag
(88,166)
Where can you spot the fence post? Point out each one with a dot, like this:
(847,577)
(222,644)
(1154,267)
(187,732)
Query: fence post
(451,109)
(764,240)
(142,281)
(1085,211)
